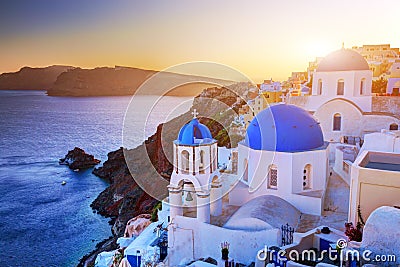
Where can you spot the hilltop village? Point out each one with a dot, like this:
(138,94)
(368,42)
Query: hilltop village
(315,178)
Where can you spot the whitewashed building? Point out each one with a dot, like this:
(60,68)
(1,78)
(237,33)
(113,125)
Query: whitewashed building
(341,97)
(375,175)
(284,154)
(393,85)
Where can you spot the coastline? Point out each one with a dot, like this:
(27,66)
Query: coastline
(151,161)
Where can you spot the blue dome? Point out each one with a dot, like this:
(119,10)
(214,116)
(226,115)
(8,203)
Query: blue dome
(194,133)
(284,128)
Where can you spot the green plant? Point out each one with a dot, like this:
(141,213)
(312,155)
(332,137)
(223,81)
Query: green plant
(118,256)
(158,206)
(154,213)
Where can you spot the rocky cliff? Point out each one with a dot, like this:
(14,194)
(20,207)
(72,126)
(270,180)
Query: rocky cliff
(32,78)
(124,81)
(124,198)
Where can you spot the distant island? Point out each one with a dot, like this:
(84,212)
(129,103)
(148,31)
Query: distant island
(28,78)
(103,81)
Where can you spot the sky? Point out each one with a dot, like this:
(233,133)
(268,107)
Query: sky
(262,39)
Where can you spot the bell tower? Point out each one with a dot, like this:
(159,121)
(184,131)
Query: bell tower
(195,183)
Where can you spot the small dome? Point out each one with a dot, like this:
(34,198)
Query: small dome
(194,133)
(262,213)
(284,128)
(343,60)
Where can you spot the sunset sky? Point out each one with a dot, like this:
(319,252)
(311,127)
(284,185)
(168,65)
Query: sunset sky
(262,39)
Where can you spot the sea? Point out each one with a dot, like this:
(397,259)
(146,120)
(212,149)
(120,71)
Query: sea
(44,223)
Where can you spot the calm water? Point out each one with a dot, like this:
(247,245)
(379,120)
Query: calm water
(43,223)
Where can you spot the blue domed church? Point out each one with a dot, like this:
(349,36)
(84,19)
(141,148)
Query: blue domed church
(195,183)
(283,154)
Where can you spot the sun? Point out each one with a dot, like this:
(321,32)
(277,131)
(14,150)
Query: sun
(318,48)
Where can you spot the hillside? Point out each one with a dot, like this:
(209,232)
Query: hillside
(150,163)
(28,78)
(117,81)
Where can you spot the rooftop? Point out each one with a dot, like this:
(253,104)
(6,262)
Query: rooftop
(343,60)
(381,161)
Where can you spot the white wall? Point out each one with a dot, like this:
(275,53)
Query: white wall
(375,123)
(385,141)
(372,188)
(352,80)
(189,238)
(339,162)
(354,122)
(290,177)
(392,83)
(351,119)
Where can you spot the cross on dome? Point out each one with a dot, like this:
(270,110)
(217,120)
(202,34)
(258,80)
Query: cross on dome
(195,113)
(283,98)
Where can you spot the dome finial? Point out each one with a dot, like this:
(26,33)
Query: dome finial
(195,113)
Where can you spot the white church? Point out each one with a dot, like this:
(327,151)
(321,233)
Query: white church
(341,98)
(283,163)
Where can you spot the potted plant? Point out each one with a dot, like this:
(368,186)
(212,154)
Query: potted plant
(225,250)
(354,233)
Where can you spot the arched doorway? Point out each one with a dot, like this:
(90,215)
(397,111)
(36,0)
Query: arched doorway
(185,161)
(189,199)
(202,166)
(319,88)
(337,122)
(307,177)
(340,87)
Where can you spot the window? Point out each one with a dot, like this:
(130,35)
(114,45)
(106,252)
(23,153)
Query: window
(340,87)
(345,167)
(307,177)
(272,177)
(393,127)
(185,161)
(319,88)
(362,86)
(214,158)
(201,166)
(337,122)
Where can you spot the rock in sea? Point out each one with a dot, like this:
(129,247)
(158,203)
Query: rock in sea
(78,159)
